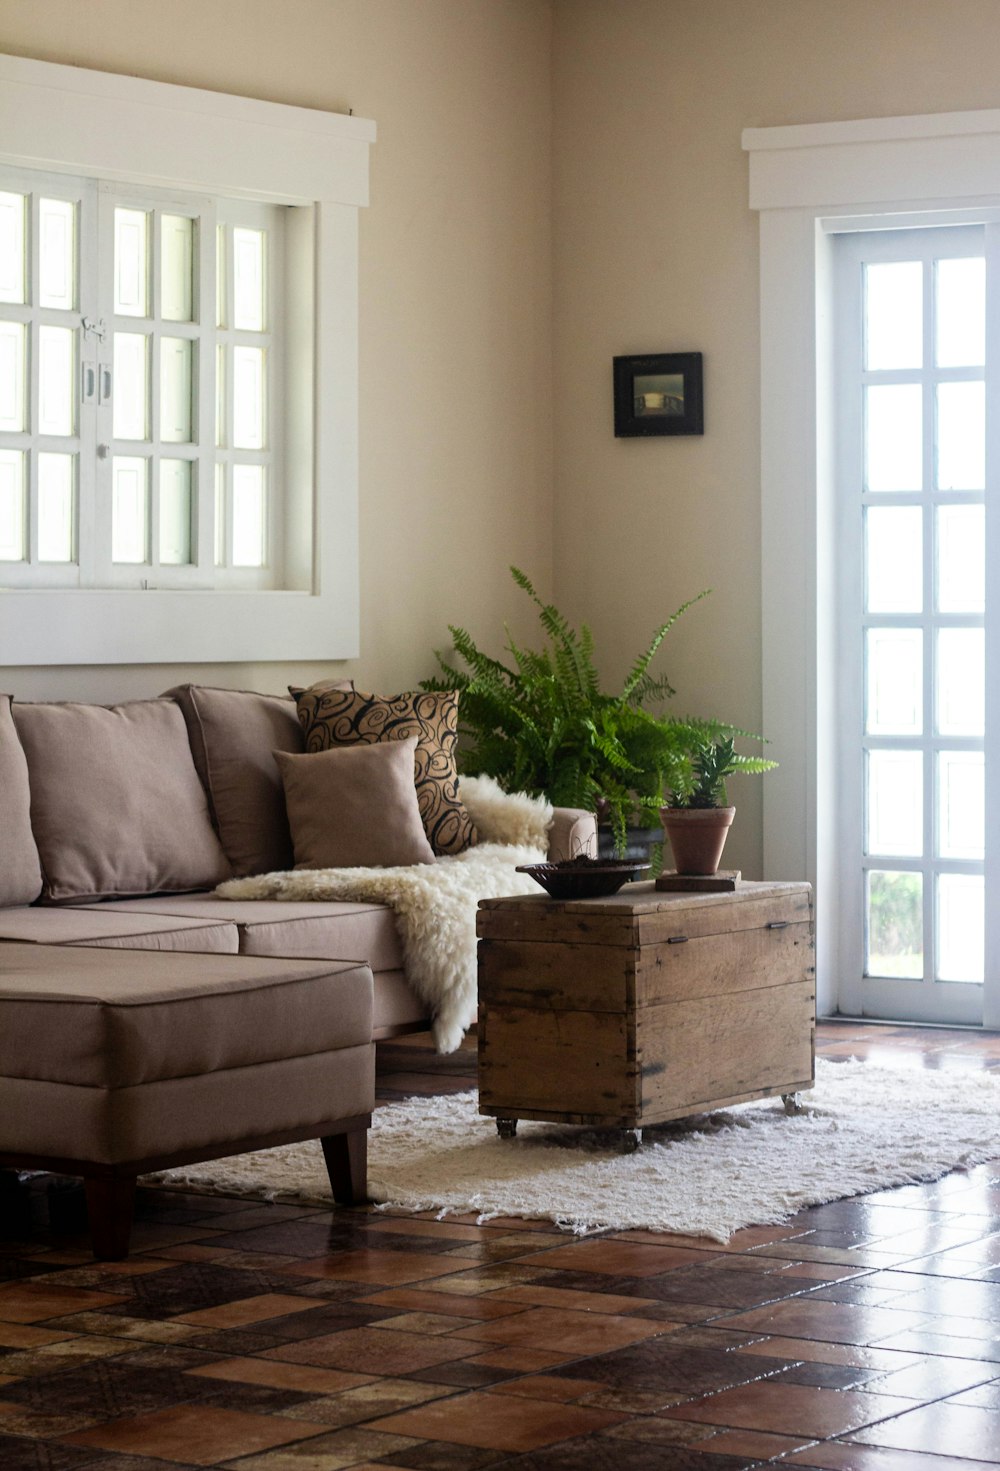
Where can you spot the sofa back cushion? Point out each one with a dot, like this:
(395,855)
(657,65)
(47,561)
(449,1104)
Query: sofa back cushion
(117,809)
(20,870)
(233,734)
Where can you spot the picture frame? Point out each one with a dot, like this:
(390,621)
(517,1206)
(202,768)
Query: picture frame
(660,393)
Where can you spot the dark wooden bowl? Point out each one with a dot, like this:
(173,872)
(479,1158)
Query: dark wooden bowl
(574,881)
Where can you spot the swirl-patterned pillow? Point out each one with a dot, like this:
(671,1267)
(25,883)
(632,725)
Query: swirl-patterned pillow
(333,717)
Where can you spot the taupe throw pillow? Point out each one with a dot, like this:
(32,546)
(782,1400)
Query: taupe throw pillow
(117,809)
(355,807)
(349,717)
(20,872)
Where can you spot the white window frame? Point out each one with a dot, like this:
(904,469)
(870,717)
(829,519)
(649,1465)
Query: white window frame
(96,125)
(808,182)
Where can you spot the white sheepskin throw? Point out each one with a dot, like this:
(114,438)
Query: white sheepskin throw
(435,904)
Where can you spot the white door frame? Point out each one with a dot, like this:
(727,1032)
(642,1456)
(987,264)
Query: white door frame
(872,174)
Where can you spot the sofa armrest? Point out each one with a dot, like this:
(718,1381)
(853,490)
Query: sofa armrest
(572,832)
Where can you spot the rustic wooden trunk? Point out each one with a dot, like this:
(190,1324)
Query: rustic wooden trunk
(645,1006)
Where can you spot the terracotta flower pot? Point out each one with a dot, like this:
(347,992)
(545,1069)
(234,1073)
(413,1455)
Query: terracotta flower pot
(697,836)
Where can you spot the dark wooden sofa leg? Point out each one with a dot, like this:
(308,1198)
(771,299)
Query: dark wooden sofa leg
(110,1206)
(346,1158)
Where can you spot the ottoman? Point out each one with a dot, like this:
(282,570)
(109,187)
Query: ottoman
(115,1063)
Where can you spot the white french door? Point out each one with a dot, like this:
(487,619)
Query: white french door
(917,420)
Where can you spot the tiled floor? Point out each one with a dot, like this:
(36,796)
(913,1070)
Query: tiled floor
(860,1336)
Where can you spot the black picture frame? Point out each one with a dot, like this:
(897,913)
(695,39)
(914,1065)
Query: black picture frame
(660,393)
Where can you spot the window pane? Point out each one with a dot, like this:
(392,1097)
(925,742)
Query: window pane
(175,512)
(12,341)
(176,266)
(961,313)
(248,397)
(12,253)
(961,683)
(129,510)
(894,315)
(894,559)
(895,659)
(130,416)
(175,390)
(960,927)
(220,515)
(896,803)
(961,559)
(220,395)
(893,437)
(248,516)
(56,516)
(895,912)
(961,436)
(11,505)
(56,380)
(248,279)
(131,263)
(220,276)
(961,804)
(57,254)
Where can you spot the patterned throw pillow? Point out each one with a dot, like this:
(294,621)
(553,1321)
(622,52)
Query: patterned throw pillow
(332,717)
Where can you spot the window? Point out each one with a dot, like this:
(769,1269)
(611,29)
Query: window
(178,372)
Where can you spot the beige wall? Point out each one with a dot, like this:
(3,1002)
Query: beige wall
(655,250)
(455,286)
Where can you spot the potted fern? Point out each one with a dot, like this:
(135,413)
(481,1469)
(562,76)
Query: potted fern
(539,722)
(698,817)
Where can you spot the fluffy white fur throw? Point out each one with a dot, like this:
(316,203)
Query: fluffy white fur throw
(435,905)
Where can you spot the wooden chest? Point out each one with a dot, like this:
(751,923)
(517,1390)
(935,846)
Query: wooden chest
(645,1006)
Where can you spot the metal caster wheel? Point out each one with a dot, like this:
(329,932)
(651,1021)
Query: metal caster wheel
(791,1102)
(630,1140)
(506,1128)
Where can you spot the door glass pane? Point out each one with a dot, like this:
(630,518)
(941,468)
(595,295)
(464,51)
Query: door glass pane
(960,915)
(895,928)
(57,254)
(131,263)
(896,803)
(248,279)
(175,390)
(248,397)
(893,437)
(894,315)
(961,684)
(894,559)
(129,511)
(220,395)
(130,414)
(961,559)
(895,681)
(961,313)
(56,518)
(12,341)
(175,512)
(961,805)
(220,515)
(11,505)
(56,379)
(961,436)
(248,516)
(176,265)
(12,253)
(220,276)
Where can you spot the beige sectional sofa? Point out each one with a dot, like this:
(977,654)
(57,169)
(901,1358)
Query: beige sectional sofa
(253,1023)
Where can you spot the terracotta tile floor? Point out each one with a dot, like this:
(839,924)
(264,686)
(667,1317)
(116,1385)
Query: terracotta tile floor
(859,1336)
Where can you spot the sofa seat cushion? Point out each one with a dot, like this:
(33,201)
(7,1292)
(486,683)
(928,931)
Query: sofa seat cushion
(340,930)
(116,804)
(100,1020)
(20,870)
(112,931)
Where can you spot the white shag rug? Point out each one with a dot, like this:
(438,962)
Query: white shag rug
(435,904)
(863,1128)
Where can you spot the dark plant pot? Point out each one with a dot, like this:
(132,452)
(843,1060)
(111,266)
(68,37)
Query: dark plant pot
(697,836)
(639,843)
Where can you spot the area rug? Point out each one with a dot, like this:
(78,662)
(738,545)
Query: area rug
(863,1128)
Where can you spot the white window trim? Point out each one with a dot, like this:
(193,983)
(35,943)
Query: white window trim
(807,181)
(69,120)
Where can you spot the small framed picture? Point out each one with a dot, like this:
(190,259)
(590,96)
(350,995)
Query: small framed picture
(659,394)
